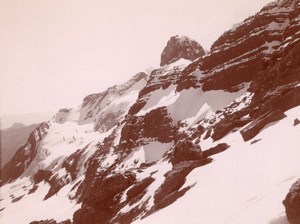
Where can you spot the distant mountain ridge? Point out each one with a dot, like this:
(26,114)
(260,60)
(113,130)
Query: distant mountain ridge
(208,138)
(17,125)
(12,138)
(7,120)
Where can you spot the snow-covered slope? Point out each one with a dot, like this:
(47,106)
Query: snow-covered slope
(50,156)
(194,141)
(245,184)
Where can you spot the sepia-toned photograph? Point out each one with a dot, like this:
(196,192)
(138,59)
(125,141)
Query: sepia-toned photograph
(150,112)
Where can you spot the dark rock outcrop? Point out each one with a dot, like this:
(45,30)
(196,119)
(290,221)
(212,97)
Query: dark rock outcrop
(56,184)
(170,191)
(72,163)
(292,203)
(157,124)
(51,221)
(214,150)
(97,206)
(228,123)
(139,187)
(159,78)
(17,199)
(56,181)
(134,195)
(42,175)
(181,47)
(277,87)
(296,121)
(93,174)
(48,221)
(185,150)
(254,128)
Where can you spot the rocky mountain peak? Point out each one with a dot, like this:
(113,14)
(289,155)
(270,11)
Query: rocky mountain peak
(280,3)
(181,47)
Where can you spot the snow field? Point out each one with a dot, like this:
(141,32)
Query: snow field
(181,107)
(61,141)
(32,207)
(149,153)
(245,184)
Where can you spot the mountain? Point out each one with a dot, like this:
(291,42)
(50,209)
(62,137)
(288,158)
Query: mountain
(204,138)
(8,120)
(17,125)
(181,47)
(12,138)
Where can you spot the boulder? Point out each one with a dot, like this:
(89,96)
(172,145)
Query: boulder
(48,221)
(254,128)
(296,121)
(185,150)
(51,221)
(230,119)
(214,150)
(292,203)
(228,124)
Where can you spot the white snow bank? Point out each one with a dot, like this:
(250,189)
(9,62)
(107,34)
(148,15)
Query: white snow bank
(202,105)
(32,207)
(63,140)
(159,98)
(149,153)
(181,107)
(271,46)
(179,63)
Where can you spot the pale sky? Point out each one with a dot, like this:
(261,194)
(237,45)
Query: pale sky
(55,52)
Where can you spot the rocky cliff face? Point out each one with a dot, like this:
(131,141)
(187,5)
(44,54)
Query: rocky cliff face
(130,151)
(247,48)
(181,47)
